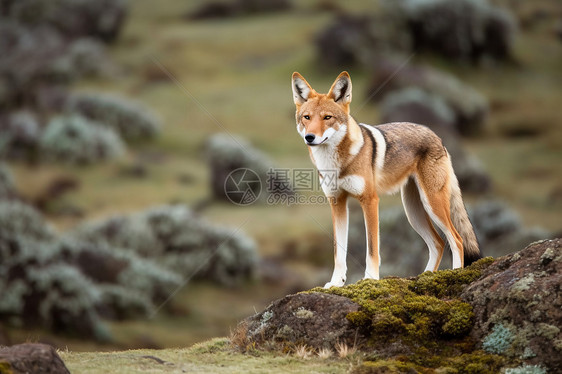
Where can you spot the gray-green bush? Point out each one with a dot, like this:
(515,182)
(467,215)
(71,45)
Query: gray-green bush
(118,272)
(130,119)
(226,153)
(36,287)
(19,135)
(469,106)
(180,240)
(359,39)
(465,30)
(462,29)
(68,285)
(7,186)
(77,140)
(73,18)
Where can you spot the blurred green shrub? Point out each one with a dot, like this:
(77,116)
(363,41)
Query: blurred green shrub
(130,119)
(352,40)
(45,46)
(462,29)
(226,153)
(7,185)
(19,135)
(27,62)
(18,218)
(39,57)
(466,30)
(470,107)
(67,284)
(410,97)
(129,285)
(77,140)
(102,19)
(36,288)
(180,240)
(84,57)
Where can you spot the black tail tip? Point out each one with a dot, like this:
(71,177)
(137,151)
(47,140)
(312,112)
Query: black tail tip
(469,258)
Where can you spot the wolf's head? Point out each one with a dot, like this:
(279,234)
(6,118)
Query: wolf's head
(321,116)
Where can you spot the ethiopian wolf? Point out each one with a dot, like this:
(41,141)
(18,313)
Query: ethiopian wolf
(370,160)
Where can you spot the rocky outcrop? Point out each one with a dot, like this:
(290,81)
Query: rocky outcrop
(316,319)
(517,305)
(491,315)
(31,358)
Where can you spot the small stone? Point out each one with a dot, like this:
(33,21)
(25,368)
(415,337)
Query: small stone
(547,256)
(31,358)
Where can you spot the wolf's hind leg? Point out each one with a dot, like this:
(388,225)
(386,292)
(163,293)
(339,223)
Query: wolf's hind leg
(436,202)
(420,221)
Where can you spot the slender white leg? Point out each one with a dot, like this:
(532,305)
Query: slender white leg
(418,219)
(340,218)
(371,216)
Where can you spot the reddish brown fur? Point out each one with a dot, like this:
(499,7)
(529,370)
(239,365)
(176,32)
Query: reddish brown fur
(412,151)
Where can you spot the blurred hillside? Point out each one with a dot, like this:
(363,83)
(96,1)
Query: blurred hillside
(105,120)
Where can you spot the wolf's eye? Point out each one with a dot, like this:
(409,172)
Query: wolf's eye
(327,117)
(306,117)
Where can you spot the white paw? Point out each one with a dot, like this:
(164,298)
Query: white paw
(334,284)
(371,276)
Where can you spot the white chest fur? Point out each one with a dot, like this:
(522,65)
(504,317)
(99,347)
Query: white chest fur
(328,163)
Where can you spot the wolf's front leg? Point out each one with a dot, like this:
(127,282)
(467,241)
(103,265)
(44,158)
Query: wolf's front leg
(340,222)
(370,207)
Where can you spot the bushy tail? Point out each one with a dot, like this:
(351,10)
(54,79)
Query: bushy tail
(462,223)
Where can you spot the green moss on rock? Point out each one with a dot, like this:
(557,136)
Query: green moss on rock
(390,309)
(449,283)
(417,310)
(419,324)
(476,362)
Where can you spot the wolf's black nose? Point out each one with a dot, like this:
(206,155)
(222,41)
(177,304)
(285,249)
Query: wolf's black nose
(309,138)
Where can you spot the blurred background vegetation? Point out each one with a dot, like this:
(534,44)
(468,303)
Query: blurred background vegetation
(113,232)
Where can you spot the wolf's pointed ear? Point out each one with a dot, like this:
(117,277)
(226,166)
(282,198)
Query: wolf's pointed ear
(301,89)
(341,89)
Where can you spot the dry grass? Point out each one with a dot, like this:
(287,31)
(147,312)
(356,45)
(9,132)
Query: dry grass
(303,351)
(239,338)
(325,353)
(344,351)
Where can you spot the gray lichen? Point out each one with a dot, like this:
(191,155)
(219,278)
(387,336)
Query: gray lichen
(499,340)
